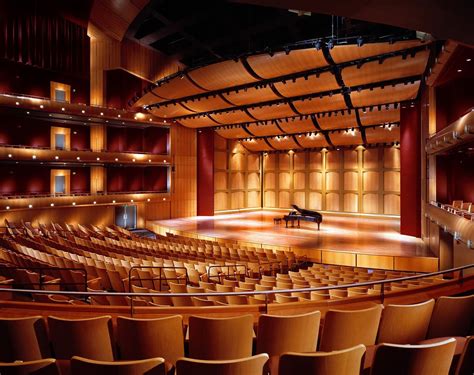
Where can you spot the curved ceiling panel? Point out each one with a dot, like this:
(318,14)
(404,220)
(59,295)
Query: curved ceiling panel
(171,110)
(256,145)
(297,125)
(235,132)
(326,103)
(210,103)
(307,85)
(231,117)
(281,64)
(376,116)
(220,75)
(147,99)
(382,134)
(251,95)
(286,142)
(198,122)
(354,52)
(270,128)
(271,112)
(391,68)
(313,141)
(177,87)
(346,138)
(337,120)
(389,94)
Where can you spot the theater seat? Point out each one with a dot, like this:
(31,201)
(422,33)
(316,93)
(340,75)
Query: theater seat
(151,366)
(39,367)
(338,362)
(220,338)
(434,359)
(243,366)
(452,316)
(466,363)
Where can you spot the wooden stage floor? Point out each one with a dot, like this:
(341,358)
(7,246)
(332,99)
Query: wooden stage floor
(374,235)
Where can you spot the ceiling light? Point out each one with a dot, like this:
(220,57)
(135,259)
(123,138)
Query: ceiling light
(41,106)
(468,59)
(113,201)
(9,155)
(34,156)
(8,207)
(148,200)
(116,159)
(164,199)
(101,113)
(30,206)
(459,70)
(73,203)
(17,103)
(83,111)
(78,158)
(52,204)
(94,202)
(98,159)
(63,109)
(56,157)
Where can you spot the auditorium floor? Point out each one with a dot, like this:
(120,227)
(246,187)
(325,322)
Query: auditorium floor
(352,233)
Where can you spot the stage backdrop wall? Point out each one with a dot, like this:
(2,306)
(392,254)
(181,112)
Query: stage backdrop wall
(359,180)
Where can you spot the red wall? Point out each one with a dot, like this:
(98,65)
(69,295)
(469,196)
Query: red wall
(121,86)
(120,179)
(156,140)
(453,100)
(25,179)
(80,137)
(455,178)
(410,170)
(16,130)
(80,180)
(152,139)
(205,172)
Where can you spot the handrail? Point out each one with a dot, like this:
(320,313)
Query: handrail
(159,278)
(228,266)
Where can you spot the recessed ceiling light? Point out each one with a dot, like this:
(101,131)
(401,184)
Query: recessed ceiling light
(148,200)
(63,109)
(30,206)
(78,158)
(41,106)
(73,203)
(83,111)
(468,59)
(113,201)
(459,70)
(52,204)
(98,159)
(56,157)
(17,103)
(34,156)
(8,207)
(94,202)
(9,155)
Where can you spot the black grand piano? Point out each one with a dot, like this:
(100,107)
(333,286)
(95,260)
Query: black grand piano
(302,214)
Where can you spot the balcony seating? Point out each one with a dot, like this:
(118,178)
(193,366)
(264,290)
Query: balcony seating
(248,366)
(452,316)
(151,366)
(466,362)
(414,359)
(347,362)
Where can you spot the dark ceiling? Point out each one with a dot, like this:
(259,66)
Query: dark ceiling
(200,32)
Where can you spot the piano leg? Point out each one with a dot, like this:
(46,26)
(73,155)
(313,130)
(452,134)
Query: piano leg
(319,225)
(298,223)
(286,223)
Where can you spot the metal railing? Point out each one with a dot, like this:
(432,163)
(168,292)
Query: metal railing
(160,278)
(267,293)
(229,269)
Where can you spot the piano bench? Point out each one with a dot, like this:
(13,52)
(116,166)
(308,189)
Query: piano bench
(277,220)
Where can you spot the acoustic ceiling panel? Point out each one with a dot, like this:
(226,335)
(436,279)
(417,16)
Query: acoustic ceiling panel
(281,64)
(382,115)
(383,134)
(313,141)
(211,103)
(231,117)
(235,132)
(307,85)
(354,52)
(286,142)
(297,125)
(256,145)
(337,120)
(272,111)
(270,128)
(251,95)
(388,94)
(346,138)
(147,99)
(177,87)
(198,122)
(317,104)
(171,110)
(221,75)
(388,69)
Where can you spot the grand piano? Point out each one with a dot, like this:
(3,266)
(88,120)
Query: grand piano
(302,214)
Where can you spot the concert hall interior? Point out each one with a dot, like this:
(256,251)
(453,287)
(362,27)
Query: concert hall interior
(252,187)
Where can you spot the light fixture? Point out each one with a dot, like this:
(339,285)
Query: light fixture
(149,160)
(34,156)
(41,106)
(52,204)
(83,111)
(133,160)
(101,113)
(17,103)
(131,200)
(9,155)
(317,45)
(459,70)
(8,207)
(116,159)
(164,199)
(113,201)
(360,41)
(78,158)
(164,161)
(148,200)
(27,112)
(94,202)
(63,109)
(119,116)
(30,206)
(73,203)
(56,157)
(98,159)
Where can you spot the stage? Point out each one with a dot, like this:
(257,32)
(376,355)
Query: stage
(363,240)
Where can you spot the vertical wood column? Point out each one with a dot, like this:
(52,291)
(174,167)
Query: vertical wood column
(98,138)
(205,172)
(410,170)
(98,180)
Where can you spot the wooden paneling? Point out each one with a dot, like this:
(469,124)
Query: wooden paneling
(418,264)
(220,200)
(98,137)
(375,261)
(332,181)
(253,199)
(351,202)
(391,204)
(315,201)
(332,202)
(284,199)
(269,200)
(253,180)
(340,258)
(351,180)
(237,200)
(316,180)
(220,180)
(370,203)
(98,179)
(392,157)
(270,180)
(371,181)
(284,179)
(299,198)
(299,180)
(391,181)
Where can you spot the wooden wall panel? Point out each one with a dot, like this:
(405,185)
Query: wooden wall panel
(332,181)
(370,203)
(299,161)
(391,181)
(237,200)
(253,180)
(269,162)
(350,159)
(284,161)
(351,180)
(253,199)
(315,201)
(391,203)
(332,202)
(237,181)
(299,180)
(284,199)
(284,179)
(316,180)
(371,158)
(220,159)
(315,160)
(392,157)
(253,162)
(334,160)
(237,161)
(370,181)
(299,198)
(220,180)
(98,179)
(270,200)
(351,202)
(270,180)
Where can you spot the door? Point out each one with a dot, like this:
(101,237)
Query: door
(126,216)
(60,140)
(60,184)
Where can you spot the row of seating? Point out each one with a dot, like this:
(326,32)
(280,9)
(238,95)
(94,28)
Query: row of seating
(220,339)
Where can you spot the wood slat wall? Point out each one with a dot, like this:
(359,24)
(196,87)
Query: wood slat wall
(236,176)
(360,180)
